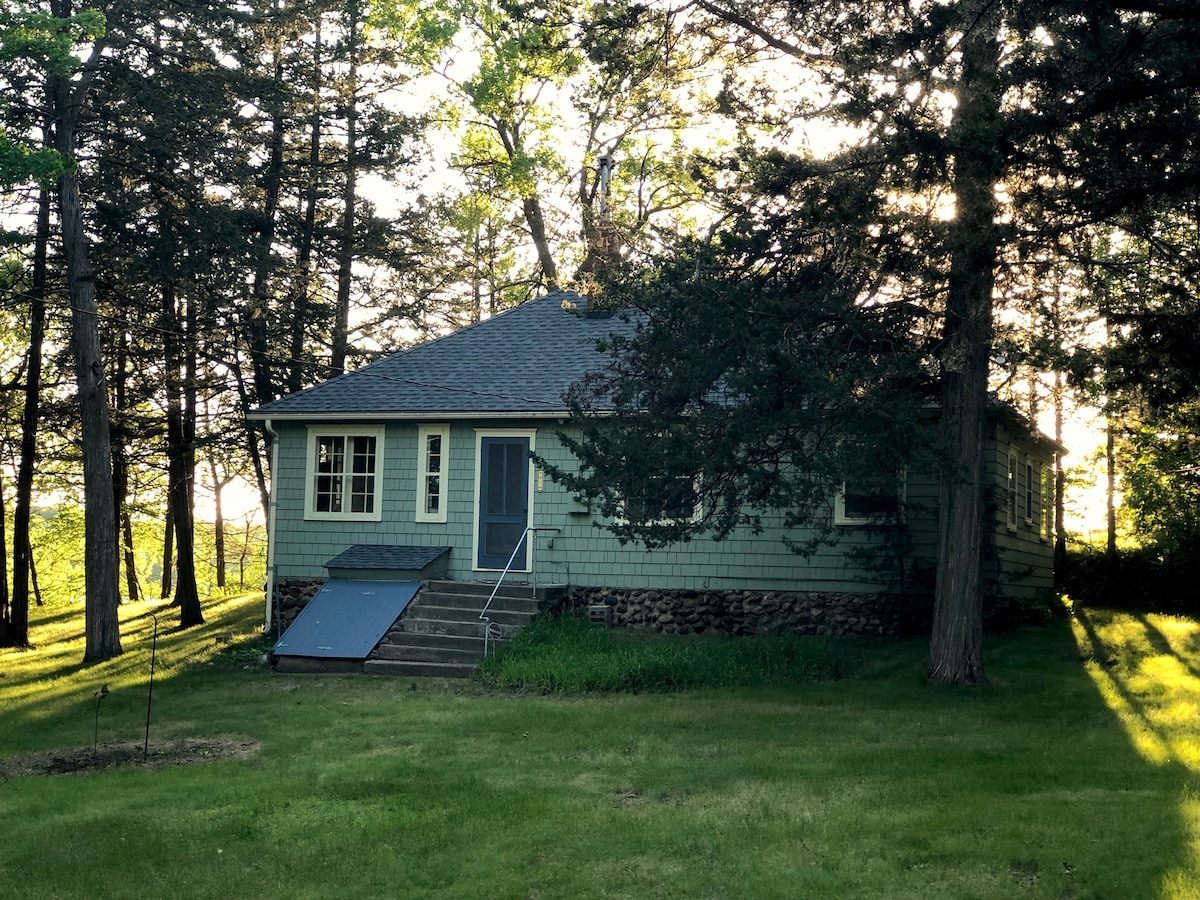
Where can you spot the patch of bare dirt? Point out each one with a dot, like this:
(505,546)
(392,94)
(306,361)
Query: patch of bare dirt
(128,754)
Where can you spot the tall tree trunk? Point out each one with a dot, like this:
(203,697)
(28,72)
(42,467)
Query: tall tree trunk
(536,221)
(101,626)
(132,586)
(956,645)
(18,619)
(120,440)
(4,594)
(1060,484)
(257,318)
(303,281)
(33,577)
(341,324)
(218,524)
(168,555)
(179,454)
(1110,491)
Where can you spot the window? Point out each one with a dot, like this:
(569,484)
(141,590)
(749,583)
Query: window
(1031,488)
(1013,472)
(433,449)
(344,478)
(859,504)
(1047,503)
(661,498)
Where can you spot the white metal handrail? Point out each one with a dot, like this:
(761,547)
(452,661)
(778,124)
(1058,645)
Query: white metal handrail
(483,614)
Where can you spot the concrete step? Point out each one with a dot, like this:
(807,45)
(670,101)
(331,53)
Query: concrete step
(418,669)
(543,592)
(420,653)
(475,602)
(432,639)
(504,616)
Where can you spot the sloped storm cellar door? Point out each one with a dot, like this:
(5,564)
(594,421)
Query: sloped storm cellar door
(346,619)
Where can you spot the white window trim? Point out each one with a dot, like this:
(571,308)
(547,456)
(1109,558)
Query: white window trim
(480,434)
(424,432)
(1012,492)
(1033,484)
(1048,512)
(310,472)
(839,508)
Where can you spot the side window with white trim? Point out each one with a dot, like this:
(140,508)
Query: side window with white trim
(433,459)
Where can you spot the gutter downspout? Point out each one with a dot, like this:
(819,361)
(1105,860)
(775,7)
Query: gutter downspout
(272,506)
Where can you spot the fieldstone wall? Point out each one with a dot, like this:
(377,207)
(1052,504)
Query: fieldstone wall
(749,612)
(291,596)
(732,612)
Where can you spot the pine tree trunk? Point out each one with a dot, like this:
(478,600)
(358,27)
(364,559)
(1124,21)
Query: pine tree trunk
(101,626)
(303,281)
(132,587)
(341,325)
(218,523)
(18,618)
(179,456)
(168,555)
(956,645)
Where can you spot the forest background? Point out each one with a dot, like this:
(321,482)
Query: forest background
(207,206)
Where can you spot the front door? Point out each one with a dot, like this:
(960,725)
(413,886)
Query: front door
(503,501)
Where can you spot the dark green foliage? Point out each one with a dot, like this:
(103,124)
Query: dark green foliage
(1136,579)
(569,654)
(756,386)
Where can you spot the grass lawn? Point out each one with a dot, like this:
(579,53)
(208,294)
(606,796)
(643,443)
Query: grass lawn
(1075,775)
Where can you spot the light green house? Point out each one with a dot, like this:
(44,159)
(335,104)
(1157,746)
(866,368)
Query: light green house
(431,448)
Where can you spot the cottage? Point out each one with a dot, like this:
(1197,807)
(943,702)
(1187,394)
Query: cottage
(417,469)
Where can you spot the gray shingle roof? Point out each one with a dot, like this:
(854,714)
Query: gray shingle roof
(372,556)
(519,361)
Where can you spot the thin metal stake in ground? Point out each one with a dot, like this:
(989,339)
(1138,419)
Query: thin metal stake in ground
(150,693)
(100,695)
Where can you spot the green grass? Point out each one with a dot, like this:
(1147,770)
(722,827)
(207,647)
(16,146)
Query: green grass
(1076,774)
(569,654)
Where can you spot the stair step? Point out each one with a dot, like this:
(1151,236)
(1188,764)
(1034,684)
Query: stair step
(476,602)
(454,614)
(418,669)
(516,590)
(457,629)
(420,653)
(432,639)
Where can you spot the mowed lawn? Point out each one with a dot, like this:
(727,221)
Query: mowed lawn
(1076,774)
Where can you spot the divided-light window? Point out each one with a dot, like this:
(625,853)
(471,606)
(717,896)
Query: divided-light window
(344,473)
(433,449)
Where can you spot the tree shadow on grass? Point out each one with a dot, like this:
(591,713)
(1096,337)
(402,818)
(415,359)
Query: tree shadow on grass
(1151,686)
(52,679)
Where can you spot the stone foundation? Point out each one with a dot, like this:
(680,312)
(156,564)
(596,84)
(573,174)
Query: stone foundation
(291,596)
(673,611)
(749,612)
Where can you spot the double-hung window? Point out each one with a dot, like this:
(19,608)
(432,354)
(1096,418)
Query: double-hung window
(860,504)
(344,477)
(433,457)
(1013,489)
(1032,483)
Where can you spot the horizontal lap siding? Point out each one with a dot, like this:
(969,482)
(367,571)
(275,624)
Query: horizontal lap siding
(582,553)
(1023,563)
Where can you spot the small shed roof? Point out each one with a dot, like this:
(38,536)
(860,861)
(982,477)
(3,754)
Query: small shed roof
(372,556)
